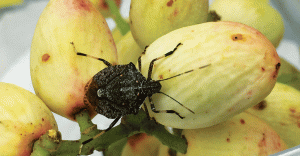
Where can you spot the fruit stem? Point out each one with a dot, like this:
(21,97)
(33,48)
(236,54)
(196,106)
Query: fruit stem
(51,143)
(122,25)
(172,141)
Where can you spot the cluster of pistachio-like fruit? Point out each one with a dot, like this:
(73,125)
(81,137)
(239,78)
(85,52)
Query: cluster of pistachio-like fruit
(232,111)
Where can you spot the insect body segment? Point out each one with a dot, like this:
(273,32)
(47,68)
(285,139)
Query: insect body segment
(119,90)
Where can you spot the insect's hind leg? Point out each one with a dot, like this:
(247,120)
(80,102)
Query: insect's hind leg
(152,62)
(162,111)
(96,136)
(83,54)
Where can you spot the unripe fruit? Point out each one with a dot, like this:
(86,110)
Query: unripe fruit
(128,49)
(281,110)
(150,19)
(59,75)
(255,13)
(8,3)
(289,74)
(242,71)
(102,6)
(244,134)
(141,145)
(117,35)
(23,119)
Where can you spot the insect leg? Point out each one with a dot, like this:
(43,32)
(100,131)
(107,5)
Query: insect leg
(112,124)
(96,136)
(140,61)
(83,54)
(146,110)
(152,62)
(162,111)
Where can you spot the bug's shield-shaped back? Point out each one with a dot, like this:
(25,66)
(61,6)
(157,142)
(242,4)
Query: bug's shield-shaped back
(120,87)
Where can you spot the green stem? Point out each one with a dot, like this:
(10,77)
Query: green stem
(122,25)
(51,143)
(172,141)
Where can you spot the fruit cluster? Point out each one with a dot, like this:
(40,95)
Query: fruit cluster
(236,104)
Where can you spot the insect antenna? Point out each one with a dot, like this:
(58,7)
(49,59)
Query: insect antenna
(177,102)
(83,54)
(183,73)
(177,76)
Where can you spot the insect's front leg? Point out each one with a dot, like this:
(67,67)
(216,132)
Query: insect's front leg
(140,61)
(152,62)
(162,111)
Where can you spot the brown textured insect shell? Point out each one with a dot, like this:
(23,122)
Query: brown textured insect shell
(90,90)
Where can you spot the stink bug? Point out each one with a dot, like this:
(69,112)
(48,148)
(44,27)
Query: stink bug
(119,90)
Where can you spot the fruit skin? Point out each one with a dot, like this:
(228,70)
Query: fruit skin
(128,49)
(141,145)
(244,134)
(289,74)
(150,19)
(23,119)
(59,75)
(281,110)
(102,6)
(117,35)
(242,72)
(255,13)
(7,3)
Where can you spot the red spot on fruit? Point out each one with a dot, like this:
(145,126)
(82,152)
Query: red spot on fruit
(263,69)
(136,139)
(45,57)
(292,110)
(260,106)
(83,5)
(104,5)
(242,121)
(250,92)
(161,77)
(228,139)
(282,124)
(175,12)
(170,3)
(77,5)
(237,37)
(277,67)
(43,119)
(262,146)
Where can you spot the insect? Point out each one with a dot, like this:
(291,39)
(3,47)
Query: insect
(119,90)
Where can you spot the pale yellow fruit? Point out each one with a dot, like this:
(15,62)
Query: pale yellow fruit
(242,71)
(117,35)
(102,6)
(255,13)
(141,145)
(7,3)
(150,19)
(23,119)
(281,110)
(243,135)
(128,49)
(59,75)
